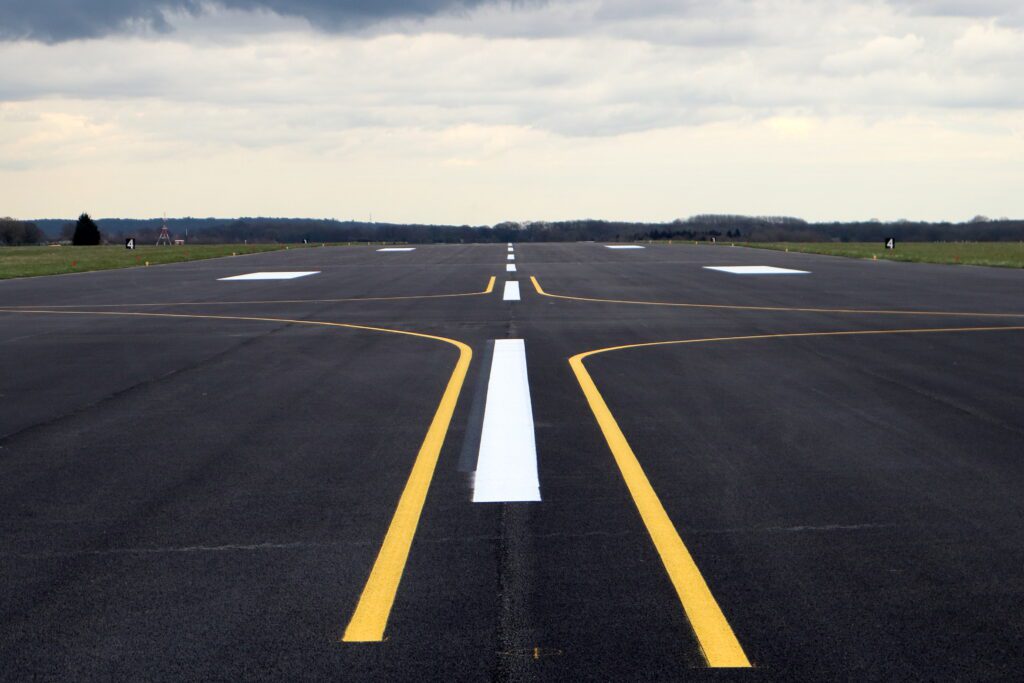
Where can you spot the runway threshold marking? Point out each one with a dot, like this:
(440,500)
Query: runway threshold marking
(486,290)
(370,618)
(507,462)
(511,291)
(717,641)
(792,309)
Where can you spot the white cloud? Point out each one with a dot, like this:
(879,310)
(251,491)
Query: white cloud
(883,52)
(990,42)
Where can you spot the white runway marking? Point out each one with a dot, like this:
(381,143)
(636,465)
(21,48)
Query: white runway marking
(510,268)
(757,270)
(510,250)
(511,291)
(398,249)
(623,246)
(272,275)
(506,469)
(511,257)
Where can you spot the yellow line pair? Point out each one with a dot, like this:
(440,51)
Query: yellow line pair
(715,637)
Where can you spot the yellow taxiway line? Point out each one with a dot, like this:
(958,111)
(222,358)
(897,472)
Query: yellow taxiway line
(791,309)
(717,641)
(371,616)
(486,290)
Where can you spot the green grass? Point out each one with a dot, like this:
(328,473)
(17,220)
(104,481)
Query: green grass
(27,261)
(1005,254)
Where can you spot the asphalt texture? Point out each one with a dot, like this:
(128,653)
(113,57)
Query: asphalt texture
(203,496)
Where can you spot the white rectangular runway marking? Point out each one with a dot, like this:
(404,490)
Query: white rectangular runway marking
(511,257)
(757,270)
(511,291)
(506,469)
(623,246)
(510,250)
(272,275)
(510,268)
(398,249)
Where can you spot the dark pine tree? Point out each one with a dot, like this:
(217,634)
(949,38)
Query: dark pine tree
(87,233)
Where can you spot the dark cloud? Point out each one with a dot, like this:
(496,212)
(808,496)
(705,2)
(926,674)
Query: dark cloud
(60,20)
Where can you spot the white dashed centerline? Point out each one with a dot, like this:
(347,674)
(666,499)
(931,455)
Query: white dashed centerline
(506,468)
(398,249)
(510,268)
(511,257)
(511,291)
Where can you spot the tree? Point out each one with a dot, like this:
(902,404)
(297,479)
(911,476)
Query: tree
(86,231)
(14,232)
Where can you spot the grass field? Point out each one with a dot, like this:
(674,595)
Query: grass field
(27,261)
(1005,254)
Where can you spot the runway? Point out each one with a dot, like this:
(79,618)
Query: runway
(800,475)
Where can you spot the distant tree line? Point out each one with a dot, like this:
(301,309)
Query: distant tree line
(15,233)
(699,228)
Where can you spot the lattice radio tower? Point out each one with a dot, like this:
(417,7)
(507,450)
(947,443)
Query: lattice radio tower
(164,237)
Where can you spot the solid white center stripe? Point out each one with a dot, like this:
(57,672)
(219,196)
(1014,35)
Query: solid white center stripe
(511,291)
(272,275)
(510,268)
(757,270)
(506,469)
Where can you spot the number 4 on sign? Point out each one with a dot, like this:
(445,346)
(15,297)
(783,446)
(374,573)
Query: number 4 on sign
(129,243)
(890,243)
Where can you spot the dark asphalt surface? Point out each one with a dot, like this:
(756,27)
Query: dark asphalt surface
(204,498)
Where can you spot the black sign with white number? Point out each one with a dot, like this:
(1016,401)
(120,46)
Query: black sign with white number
(129,243)
(890,243)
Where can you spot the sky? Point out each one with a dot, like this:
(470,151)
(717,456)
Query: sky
(475,112)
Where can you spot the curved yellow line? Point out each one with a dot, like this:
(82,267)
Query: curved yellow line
(487,290)
(790,309)
(371,615)
(717,641)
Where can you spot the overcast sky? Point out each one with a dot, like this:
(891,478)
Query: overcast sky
(476,112)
